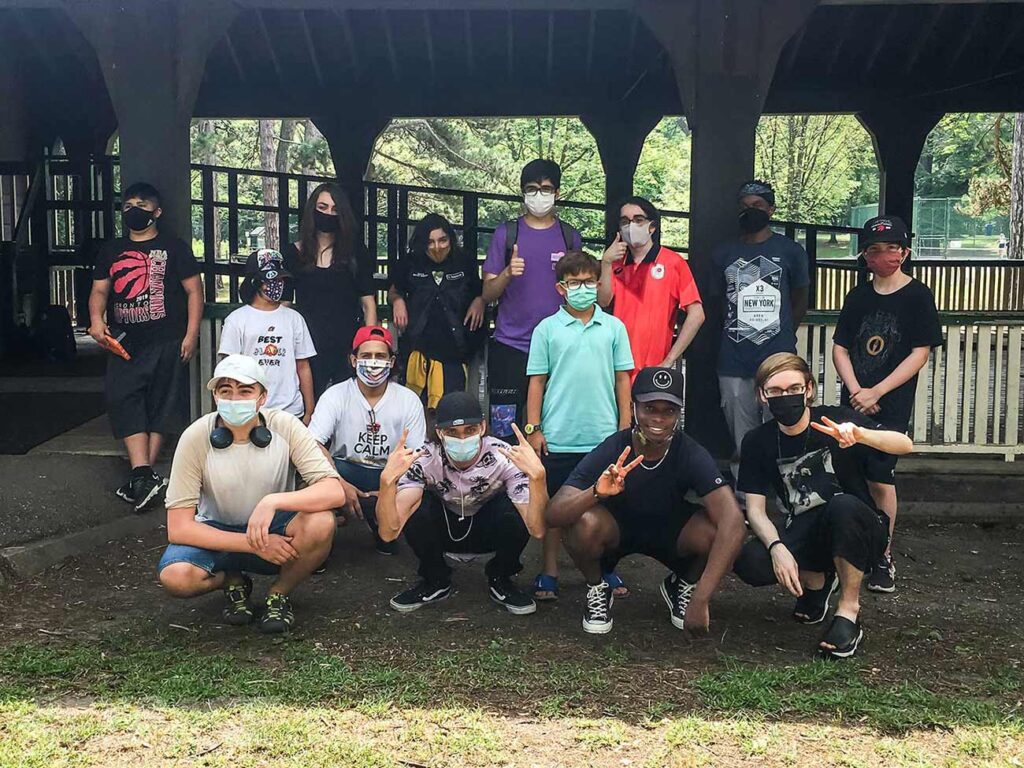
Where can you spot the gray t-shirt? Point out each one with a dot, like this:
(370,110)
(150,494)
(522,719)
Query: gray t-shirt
(759,278)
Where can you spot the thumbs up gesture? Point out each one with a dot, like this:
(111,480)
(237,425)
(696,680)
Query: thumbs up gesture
(616,250)
(517,266)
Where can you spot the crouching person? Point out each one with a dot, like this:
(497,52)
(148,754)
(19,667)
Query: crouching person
(814,458)
(472,495)
(232,507)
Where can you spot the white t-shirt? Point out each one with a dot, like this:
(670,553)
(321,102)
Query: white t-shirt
(363,435)
(277,339)
(226,484)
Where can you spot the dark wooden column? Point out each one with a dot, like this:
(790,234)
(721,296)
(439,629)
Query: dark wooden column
(15,123)
(351,137)
(153,92)
(899,134)
(620,134)
(724,56)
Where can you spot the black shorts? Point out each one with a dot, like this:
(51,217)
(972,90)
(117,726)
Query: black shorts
(558,467)
(881,468)
(148,393)
(506,386)
(653,536)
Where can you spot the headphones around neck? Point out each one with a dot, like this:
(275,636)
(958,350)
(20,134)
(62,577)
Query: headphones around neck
(260,435)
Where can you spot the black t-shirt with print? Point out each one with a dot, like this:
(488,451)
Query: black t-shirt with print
(881,331)
(808,469)
(652,492)
(147,299)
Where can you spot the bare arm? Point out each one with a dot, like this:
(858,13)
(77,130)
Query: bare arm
(841,358)
(399,310)
(394,508)
(606,285)
(305,373)
(787,572)
(533,513)
(623,398)
(98,307)
(905,371)
(723,511)
(194,288)
(798,303)
(887,441)
(326,493)
(183,528)
(694,320)
(495,285)
(369,304)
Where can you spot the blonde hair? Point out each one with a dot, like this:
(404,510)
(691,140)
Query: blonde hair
(779,362)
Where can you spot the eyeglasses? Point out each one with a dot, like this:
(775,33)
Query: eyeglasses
(572,285)
(880,248)
(796,389)
(638,219)
(533,191)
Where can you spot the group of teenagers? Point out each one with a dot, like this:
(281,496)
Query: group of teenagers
(323,415)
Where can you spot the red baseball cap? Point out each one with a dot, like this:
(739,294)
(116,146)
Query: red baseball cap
(372,333)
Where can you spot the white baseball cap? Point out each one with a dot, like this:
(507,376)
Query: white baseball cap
(241,368)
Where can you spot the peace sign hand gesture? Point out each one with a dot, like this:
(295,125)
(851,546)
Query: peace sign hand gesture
(613,480)
(846,434)
(524,457)
(399,461)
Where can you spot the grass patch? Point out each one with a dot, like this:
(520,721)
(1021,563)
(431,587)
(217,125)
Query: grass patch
(840,691)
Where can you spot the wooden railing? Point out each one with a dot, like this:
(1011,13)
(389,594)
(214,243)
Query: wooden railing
(968,397)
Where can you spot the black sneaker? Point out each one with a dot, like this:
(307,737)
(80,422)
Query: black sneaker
(385,547)
(419,595)
(883,576)
(597,619)
(125,493)
(238,610)
(676,592)
(505,592)
(145,490)
(277,615)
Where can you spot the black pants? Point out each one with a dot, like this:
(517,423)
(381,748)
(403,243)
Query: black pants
(558,467)
(845,527)
(496,528)
(148,393)
(506,385)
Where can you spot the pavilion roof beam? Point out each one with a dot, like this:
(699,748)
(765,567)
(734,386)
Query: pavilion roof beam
(389,43)
(794,51)
(510,45)
(591,34)
(845,27)
(468,17)
(923,38)
(966,39)
(551,45)
(270,47)
(428,34)
(350,41)
(29,32)
(233,55)
(313,58)
(880,41)
(1008,41)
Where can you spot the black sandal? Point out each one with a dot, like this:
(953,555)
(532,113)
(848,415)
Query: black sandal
(844,636)
(812,606)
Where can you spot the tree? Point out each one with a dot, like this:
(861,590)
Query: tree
(1016,248)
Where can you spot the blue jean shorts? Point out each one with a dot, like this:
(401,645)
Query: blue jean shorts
(232,562)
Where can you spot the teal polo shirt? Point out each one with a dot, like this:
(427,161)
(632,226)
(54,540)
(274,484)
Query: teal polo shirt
(580,361)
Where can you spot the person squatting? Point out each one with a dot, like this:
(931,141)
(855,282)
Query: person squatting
(581,443)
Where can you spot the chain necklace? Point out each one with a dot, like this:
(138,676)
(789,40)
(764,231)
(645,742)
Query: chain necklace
(663,457)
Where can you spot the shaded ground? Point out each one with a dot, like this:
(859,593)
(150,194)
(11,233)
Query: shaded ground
(94,657)
(39,416)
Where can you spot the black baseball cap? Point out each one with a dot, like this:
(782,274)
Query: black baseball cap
(883,229)
(456,409)
(658,384)
(261,265)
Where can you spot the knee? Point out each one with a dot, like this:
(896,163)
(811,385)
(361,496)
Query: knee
(183,579)
(586,535)
(844,510)
(313,528)
(754,565)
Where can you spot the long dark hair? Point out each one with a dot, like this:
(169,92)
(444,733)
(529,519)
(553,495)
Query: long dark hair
(650,212)
(421,235)
(344,251)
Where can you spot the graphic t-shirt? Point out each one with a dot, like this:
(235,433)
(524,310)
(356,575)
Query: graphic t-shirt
(808,469)
(226,484)
(759,279)
(276,340)
(653,489)
(532,296)
(648,296)
(146,297)
(355,432)
(880,331)
(464,491)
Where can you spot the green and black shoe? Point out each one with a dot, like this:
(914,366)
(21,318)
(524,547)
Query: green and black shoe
(238,610)
(277,615)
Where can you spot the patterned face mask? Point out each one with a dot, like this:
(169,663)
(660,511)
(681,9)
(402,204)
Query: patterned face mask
(273,289)
(373,373)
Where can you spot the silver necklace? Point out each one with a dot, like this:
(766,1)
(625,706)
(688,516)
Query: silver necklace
(651,469)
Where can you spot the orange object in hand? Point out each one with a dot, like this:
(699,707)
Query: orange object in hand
(114,346)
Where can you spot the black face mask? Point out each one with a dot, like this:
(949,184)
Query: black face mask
(137,219)
(787,409)
(753,220)
(325,222)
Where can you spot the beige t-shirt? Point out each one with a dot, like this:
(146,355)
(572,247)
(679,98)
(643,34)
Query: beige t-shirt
(226,484)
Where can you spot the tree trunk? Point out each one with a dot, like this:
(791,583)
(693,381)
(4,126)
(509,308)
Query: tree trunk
(1016,248)
(268,162)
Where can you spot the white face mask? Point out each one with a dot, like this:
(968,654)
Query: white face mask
(540,204)
(637,234)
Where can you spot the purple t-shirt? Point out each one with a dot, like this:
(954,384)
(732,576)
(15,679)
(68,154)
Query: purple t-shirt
(531,297)
(464,491)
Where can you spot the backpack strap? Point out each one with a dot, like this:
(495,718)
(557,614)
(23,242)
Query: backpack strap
(511,236)
(568,234)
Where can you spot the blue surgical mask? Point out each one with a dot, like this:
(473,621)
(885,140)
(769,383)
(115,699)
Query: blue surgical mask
(237,412)
(461,449)
(581,298)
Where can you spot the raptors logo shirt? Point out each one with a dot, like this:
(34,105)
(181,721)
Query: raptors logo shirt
(146,297)
(880,331)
